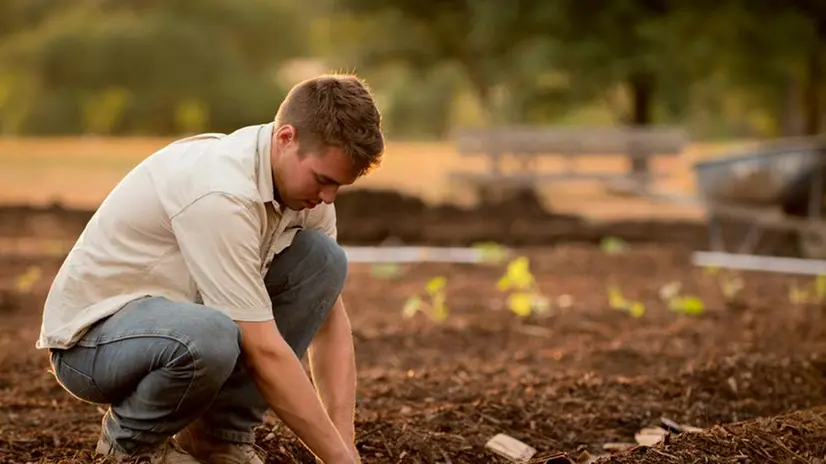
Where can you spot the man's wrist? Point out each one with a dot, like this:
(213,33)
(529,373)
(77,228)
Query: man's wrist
(348,434)
(344,424)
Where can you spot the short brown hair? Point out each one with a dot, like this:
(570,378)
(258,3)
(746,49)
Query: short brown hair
(335,110)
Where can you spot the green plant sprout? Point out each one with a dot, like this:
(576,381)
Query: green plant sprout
(729,283)
(385,270)
(615,299)
(26,281)
(491,252)
(526,297)
(682,304)
(815,293)
(613,245)
(435,306)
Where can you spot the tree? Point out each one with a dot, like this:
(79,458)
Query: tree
(139,67)
(486,39)
(769,49)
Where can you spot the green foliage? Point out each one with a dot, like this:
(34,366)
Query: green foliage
(613,245)
(219,64)
(27,280)
(127,68)
(103,110)
(191,116)
(525,297)
(682,304)
(814,293)
(420,114)
(433,305)
(17,95)
(730,283)
(617,301)
(492,252)
(386,270)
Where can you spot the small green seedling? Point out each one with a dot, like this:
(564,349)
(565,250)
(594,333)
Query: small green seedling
(682,304)
(491,252)
(26,281)
(615,299)
(526,297)
(730,284)
(385,270)
(613,245)
(435,306)
(811,294)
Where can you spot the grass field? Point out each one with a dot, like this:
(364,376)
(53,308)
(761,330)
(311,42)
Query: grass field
(80,171)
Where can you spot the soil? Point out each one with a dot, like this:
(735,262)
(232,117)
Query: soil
(750,372)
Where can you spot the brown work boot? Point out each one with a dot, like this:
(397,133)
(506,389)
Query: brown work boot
(167,453)
(211,450)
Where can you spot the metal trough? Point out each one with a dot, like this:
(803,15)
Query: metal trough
(754,179)
(754,187)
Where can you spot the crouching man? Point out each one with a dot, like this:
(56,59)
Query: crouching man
(207,274)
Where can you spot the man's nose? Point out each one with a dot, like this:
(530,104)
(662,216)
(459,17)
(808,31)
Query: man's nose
(328,194)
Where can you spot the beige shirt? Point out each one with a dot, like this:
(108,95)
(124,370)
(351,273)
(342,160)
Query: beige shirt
(195,221)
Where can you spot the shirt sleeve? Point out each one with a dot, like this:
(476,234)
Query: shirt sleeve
(219,238)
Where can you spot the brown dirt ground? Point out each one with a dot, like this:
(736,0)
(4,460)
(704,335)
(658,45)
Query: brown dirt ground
(571,381)
(373,216)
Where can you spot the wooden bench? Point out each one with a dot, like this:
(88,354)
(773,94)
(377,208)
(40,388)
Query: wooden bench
(527,144)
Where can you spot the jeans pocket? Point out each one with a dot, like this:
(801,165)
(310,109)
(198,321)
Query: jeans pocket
(79,384)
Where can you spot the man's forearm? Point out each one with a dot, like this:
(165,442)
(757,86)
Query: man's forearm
(332,362)
(286,388)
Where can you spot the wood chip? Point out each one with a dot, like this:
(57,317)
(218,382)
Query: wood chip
(618,446)
(674,427)
(650,436)
(510,448)
(671,425)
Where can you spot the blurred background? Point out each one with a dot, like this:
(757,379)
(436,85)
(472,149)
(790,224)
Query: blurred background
(90,87)
(581,306)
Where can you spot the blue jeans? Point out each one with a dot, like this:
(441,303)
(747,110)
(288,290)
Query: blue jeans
(162,365)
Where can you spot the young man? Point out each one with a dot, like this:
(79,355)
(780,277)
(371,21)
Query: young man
(206,274)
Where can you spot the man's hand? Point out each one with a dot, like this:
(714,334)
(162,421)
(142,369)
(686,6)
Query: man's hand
(333,366)
(282,381)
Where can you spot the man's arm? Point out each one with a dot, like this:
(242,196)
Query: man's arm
(283,383)
(333,366)
(219,238)
(331,353)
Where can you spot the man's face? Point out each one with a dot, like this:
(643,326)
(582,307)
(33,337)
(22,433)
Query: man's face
(303,182)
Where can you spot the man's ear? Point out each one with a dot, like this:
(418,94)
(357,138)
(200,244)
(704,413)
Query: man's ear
(286,134)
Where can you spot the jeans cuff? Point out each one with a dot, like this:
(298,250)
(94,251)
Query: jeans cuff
(232,435)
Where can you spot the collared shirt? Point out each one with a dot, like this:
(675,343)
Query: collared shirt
(195,221)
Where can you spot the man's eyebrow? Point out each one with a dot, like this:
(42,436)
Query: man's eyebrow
(327,180)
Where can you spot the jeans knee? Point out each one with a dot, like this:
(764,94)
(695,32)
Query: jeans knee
(215,342)
(323,253)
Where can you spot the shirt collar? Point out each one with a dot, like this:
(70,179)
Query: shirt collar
(265,184)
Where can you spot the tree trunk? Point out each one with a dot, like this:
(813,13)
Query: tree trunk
(811,94)
(642,85)
(642,98)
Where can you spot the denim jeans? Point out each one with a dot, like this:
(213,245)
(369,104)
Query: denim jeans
(162,365)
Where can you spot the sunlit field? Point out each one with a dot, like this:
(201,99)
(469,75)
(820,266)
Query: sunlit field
(80,171)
